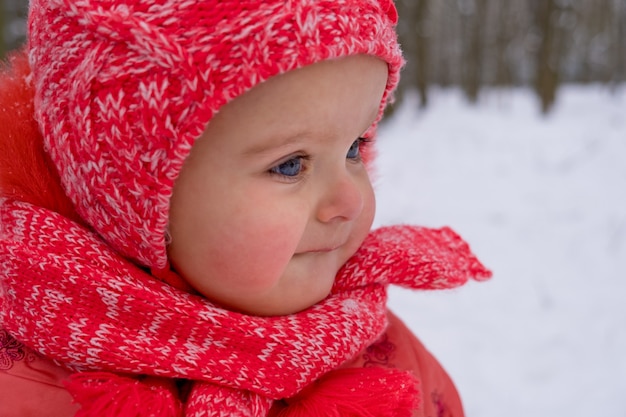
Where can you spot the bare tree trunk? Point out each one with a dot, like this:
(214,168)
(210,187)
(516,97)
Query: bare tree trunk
(404,30)
(444,43)
(476,22)
(598,36)
(546,75)
(618,42)
(3,31)
(422,39)
(414,38)
(583,33)
(621,31)
(503,73)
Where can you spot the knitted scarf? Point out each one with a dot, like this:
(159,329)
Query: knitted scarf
(68,296)
(129,337)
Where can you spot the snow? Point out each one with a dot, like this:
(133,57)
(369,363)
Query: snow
(542,201)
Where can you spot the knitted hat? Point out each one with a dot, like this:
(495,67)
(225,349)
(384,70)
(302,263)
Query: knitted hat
(125,87)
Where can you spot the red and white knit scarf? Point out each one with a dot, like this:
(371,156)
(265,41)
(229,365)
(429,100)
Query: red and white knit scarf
(68,296)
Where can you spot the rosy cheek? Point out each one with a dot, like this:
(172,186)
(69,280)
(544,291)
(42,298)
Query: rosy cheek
(263,252)
(369,208)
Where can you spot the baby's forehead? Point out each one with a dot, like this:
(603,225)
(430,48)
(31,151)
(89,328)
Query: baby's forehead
(342,97)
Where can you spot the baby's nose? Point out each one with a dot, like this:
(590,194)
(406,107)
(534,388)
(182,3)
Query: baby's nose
(343,198)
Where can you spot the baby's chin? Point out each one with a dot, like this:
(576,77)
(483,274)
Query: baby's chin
(281,309)
(262,308)
(305,282)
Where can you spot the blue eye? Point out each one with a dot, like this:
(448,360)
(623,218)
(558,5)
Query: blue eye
(290,168)
(354,151)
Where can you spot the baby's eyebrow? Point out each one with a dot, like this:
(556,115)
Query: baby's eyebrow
(276,142)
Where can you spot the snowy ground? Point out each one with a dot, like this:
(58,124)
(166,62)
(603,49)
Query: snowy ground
(542,201)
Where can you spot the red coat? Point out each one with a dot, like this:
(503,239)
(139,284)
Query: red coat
(33,386)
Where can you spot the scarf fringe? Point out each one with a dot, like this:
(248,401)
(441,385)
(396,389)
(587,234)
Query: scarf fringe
(351,392)
(104,394)
(356,392)
(209,400)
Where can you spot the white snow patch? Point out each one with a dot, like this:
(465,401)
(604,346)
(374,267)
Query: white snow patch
(542,201)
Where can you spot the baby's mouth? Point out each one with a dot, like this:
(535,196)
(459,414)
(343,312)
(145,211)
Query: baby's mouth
(322,249)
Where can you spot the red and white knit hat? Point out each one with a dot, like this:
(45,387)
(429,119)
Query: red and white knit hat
(125,87)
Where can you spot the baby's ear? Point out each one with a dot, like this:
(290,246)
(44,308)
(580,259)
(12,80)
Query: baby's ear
(26,171)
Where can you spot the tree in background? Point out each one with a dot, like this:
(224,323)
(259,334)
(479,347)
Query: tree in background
(540,44)
(473,18)
(2,29)
(413,32)
(619,35)
(547,17)
(12,24)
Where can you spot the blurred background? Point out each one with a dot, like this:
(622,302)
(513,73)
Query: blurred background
(510,127)
(475,44)
(540,44)
(12,24)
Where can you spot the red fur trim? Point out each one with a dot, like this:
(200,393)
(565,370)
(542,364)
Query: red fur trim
(26,172)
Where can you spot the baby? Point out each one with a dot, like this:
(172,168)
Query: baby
(196,239)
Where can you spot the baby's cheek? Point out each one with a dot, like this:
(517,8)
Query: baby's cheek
(268,250)
(365,220)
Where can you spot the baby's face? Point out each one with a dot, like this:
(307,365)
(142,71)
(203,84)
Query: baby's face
(274,197)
